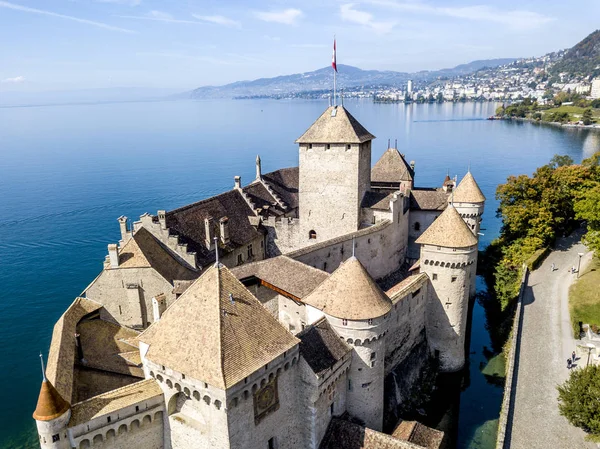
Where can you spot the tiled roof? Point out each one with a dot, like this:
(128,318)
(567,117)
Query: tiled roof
(61,358)
(287,274)
(285,184)
(101,344)
(405,285)
(145,251)
(428,199)
(213,337)
(321,347)
(261,197)
(343,434)
(448,230)
(336,125)
(417,433)
(468,191)
(50,404)
(350,293)
(114,400)
(188,223)
(377,200)
(391,168)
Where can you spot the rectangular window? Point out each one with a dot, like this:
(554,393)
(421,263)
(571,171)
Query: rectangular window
(120,311)
(329,146)
(108,419)
(435,276)
(324,266)
(373,355)
(55,438)
(310,146)
(372,364)
(137,408)
(183,376)
(453,279)
(349,384)
(331,408)
(370,321)
(271,444)
(240,259)
(348,147)
(344,322)
(250,253)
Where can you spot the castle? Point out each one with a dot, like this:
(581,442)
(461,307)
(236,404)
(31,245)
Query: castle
(274,315)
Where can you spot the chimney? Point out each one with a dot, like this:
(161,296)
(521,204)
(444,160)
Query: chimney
(113,254)
(159,305)
(258,168)
(224,227)
(79,348)
(237,182)
(123,226)
(208,232)
(162,219)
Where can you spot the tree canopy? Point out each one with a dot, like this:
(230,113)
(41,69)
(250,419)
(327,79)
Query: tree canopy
(579,399)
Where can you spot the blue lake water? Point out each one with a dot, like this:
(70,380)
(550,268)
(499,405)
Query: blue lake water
(68,172)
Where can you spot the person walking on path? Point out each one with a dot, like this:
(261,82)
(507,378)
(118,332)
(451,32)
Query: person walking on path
(574,356)
(553,268)
(568,363)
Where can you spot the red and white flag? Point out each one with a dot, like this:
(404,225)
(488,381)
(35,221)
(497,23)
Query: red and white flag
(333,63)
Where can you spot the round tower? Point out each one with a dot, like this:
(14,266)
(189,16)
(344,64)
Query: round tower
(469,202)
(358,310)
(52,415)
(448,255)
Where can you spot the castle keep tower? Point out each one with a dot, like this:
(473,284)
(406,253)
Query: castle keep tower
(335,173)
(469,202)
(448,253)
(358,310)
(52,415)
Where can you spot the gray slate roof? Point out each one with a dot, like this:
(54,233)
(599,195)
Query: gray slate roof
(285,183)
(343,434)
(341,127)
(428,199)
(377,200)
(321,346)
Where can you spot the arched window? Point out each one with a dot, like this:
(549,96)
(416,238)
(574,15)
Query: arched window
(312,234)
(417,226)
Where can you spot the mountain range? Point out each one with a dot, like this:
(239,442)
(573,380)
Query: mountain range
(321,79)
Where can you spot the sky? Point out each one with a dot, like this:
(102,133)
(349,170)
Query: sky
(48,45)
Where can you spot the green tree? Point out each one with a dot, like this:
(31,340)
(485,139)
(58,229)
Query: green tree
(587,116)
(579,399)
(588,209)
(559,160)
(439,98)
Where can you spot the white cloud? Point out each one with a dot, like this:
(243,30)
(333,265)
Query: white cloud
(350,14)
(15,80)
(511,18)
(43,12)
(122,2)
(219,20)
(287,17)
(160,16)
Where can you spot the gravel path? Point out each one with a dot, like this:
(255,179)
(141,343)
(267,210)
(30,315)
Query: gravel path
(546,344)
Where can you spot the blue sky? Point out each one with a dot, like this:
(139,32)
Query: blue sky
(79,44)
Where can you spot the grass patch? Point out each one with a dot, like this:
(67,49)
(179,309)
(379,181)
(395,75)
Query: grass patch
(573,110)
(584,301)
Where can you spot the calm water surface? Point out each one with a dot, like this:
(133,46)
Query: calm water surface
(68,172)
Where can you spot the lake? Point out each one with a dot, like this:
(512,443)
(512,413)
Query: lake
(67,173)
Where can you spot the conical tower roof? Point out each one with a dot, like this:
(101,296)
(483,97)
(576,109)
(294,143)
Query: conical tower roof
(468,191)
(50,403)
(217,332)
(336,125)
(350,293)
(391,167)
(448,230)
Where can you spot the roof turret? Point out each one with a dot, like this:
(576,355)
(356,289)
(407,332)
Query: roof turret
(468,191)
(448,230)
(350,293)
(217,332)
(50,403)
(336,125)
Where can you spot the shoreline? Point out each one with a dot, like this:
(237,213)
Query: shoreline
(595,127)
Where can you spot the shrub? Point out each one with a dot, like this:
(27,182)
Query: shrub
(579,399)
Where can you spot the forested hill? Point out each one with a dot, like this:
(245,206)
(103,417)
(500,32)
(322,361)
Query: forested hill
(583,59)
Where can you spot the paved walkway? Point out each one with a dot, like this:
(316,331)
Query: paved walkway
(546,344)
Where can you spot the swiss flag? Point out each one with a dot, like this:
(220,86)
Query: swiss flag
(333,63)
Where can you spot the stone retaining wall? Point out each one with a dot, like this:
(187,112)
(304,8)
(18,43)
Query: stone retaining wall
(507,410)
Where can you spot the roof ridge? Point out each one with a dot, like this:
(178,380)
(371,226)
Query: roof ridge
(221,312)
(197,203)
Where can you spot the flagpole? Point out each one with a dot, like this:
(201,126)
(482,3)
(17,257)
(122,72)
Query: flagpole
(334,75)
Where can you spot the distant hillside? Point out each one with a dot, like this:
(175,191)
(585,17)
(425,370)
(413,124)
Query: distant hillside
(582,59)
(320,80)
